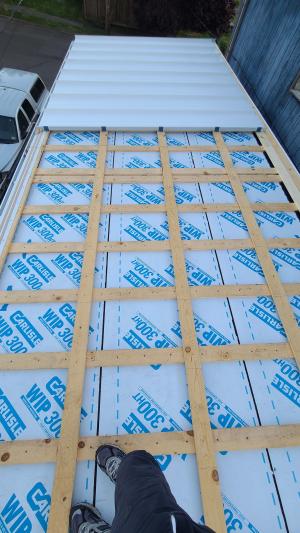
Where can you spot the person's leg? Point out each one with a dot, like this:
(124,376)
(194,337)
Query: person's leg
(143,499)
(141,492)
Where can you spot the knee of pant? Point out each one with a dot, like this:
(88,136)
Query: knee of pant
(138,457)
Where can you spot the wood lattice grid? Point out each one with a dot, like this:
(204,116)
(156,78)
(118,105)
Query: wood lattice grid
(202,440)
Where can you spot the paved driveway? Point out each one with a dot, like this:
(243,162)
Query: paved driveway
(31,47)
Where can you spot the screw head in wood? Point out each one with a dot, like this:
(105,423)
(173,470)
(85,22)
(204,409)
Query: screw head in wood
(4,457)
(81,444)
(187,349)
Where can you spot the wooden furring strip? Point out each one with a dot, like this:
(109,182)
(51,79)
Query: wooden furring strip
(54,209)
(140,173)
(174,443)
(63,179)
(32,209)
(153,246)
(286,171)
(257,438)
(150,356)
(21,205)
(261,178)
(177,443)
(40,296)
(203,244)
(178,178)
(221,208)
(45,247)
(71,148)
(278,293)
(67,444)
(143,293)
(153,148)
(34,361)
(206,460)
(65,172)
(249,172)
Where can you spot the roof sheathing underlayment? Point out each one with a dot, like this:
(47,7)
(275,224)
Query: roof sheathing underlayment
(140,82)
(153,398)
(260,488)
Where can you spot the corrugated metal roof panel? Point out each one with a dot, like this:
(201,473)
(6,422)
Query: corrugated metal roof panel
(142,83)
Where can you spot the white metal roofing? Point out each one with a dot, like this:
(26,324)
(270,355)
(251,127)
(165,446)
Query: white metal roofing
(147,82)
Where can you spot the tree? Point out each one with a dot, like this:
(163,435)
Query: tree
(107,16)
(167,17)
(213,16)
(158,17)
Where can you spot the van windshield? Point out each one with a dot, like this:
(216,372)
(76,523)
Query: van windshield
(8,130)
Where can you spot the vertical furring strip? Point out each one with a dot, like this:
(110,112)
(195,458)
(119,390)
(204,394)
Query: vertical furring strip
(204,444)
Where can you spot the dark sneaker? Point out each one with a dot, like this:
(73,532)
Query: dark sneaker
(84,518)
(109,459)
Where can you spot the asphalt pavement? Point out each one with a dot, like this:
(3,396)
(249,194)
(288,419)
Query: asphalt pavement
(31,47)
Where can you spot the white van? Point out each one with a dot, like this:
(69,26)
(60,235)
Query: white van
(22,97)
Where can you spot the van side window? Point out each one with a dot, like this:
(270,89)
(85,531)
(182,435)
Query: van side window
(23,124)
(27,107)
(37,89)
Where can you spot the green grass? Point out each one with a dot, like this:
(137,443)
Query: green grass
(71,9)
(86,28)
(193,34)
(223,42)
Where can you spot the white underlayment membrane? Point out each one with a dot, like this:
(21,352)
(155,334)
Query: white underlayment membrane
(256,485)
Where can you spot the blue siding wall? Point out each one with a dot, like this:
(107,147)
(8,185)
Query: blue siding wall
(266,58)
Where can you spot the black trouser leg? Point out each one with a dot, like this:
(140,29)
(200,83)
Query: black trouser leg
(143,499)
